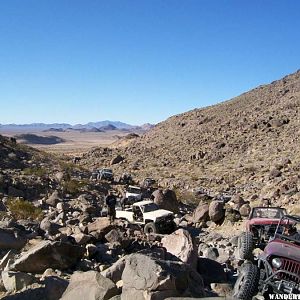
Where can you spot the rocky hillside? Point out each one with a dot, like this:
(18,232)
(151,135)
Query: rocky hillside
(241,144)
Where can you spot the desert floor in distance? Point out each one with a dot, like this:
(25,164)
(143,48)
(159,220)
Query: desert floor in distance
(74,142)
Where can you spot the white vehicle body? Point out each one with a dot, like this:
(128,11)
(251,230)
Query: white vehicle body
(149,212)
(134,192)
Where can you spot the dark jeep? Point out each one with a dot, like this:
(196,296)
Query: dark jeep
(278,268)
(260,227)
(106,174)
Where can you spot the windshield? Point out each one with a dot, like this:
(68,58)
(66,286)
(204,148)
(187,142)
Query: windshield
(269,213)
(107,170)
(149,207)
(290,230)
(134,190)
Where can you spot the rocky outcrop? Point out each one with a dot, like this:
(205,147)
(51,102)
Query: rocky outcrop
(146,277)
(180,244)
(89,285)
(46,254)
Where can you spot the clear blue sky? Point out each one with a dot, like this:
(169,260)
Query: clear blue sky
(138,61)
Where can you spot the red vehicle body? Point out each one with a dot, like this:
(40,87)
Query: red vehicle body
(260,227)
(278,267)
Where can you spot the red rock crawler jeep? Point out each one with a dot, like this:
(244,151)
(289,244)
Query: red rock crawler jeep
(260,227)
(278,267)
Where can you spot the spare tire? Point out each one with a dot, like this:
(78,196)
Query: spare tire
(150,228)
(245,245)
(247,282)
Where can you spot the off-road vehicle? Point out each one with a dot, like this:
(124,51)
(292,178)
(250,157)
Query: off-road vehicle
(260,226)
(106,174)
(125,178)
(277,270)
(133,193)
(148,183)
(147,214)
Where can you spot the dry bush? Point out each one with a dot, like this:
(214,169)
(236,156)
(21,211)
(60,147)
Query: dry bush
(21,209)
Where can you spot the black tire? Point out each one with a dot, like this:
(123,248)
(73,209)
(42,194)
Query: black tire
(150,228)
(245,245)
(247,283)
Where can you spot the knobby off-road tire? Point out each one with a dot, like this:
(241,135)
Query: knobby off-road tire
(245,245)
(150,228)
(247,283)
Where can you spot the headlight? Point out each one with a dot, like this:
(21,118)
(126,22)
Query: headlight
(276,262)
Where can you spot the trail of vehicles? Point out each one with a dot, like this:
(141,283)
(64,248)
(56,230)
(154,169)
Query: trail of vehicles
(260,227)
(147,214)
(277,269)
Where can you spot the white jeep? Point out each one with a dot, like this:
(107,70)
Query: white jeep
(133,193)
(146,213)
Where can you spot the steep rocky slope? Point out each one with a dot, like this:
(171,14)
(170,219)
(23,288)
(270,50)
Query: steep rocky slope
(241,144)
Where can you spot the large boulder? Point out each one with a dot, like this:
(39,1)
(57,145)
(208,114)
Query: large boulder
(117,159)
(201,213)
(89,285)
(245,210)
(180,244)
(15,281)
(216,211)
(146,277)
(11,240)
(211,271)
(55,287)
(166,200)
(47,254)
(100,227)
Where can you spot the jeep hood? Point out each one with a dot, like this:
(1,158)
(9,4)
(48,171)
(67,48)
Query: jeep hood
(282,248)
(152,215)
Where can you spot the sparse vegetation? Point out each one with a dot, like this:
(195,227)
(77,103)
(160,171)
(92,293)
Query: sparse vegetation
(73,186)
(21,209)
(37,171)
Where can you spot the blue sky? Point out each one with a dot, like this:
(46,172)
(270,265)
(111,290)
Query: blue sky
(138,61)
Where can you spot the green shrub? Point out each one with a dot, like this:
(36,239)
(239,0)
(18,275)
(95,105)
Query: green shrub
(21,209)
(35,171)
(72,186)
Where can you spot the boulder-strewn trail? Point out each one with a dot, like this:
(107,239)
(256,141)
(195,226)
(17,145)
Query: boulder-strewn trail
(212,166)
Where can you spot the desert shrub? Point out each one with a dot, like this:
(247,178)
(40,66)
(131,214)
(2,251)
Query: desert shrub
(35,171)
(73,186)
(21,209)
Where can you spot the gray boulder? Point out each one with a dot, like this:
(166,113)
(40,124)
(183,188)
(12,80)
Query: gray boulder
(55,287)
(55,255)
(166,200)
(180,244)
(146,277)
(15,281)
(89,285)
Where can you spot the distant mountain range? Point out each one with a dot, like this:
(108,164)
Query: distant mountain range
(90,127)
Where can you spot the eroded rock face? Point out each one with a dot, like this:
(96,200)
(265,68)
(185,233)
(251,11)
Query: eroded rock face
(89,285)
(55,255)
(180,244)
(146,277)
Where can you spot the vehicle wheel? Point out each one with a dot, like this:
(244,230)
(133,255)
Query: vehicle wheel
(245,245)
(150,228)
(246,285)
